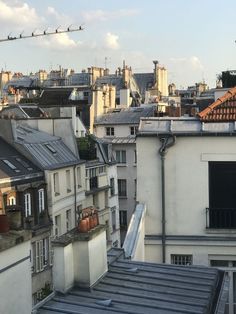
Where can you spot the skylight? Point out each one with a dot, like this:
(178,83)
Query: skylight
(24,164)
(49,147)
(10,165)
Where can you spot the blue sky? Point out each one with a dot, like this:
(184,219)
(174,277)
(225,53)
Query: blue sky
(194,40)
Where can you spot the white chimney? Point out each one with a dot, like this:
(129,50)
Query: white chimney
(79,259)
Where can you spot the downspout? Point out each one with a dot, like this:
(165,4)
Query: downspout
(165,144)
(75,200)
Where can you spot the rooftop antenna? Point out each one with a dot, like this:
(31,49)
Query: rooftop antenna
(44,33)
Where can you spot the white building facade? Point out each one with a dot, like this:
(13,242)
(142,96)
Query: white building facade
(186,174)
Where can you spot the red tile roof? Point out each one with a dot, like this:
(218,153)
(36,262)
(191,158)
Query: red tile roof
(222,110)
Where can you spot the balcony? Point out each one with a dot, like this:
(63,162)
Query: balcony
(221,218)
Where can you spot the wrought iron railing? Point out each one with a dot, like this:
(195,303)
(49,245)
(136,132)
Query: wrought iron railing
(221,218)
(93,183)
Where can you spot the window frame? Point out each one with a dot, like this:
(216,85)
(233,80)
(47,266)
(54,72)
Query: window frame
(181,259)
(27,204)
(110,131)
(121,156)
(122,192)
(41,200)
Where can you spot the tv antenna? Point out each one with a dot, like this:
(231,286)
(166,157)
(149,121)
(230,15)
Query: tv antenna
(33,34)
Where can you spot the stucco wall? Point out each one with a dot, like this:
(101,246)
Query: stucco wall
(187,195)
(15,282)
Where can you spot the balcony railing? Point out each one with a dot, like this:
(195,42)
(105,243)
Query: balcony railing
(93,183)
(221,218)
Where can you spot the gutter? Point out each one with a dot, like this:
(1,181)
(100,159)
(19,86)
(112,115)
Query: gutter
(166,142)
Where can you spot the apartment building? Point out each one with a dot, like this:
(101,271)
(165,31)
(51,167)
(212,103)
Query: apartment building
(23,204)
(119,128)
(101,185)
(186,174)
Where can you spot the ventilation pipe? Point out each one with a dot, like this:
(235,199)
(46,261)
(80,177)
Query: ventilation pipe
(166,142)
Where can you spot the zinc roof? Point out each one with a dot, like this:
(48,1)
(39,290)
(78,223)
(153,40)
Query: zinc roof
(140,287)
(49,152)
(131,115)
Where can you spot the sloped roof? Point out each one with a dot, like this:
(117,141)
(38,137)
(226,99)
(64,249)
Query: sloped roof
(23,111)
(14,165)
(131,115)
(141,287)
(48,152)
(222,110)
(55,97)
(144,81)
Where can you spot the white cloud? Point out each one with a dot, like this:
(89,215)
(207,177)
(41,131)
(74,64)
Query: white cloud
(18,14)
(101,15)
(111,41)
(59,42)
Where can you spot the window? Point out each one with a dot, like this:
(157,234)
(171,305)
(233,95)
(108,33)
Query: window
(40,254)
(101,170)
(41,200)
(50,148)
(10,165)
(112,186)
(222,201)
(121,156)
(135,156)
(110,131)
(133,130)
(122,191)
(57,225)
(79,177)
(113,218)
(68,220)
(68,181)
(181,259)
(56,183)
(123,218)
(27,201)
(135,188)
(12,200)
(24,164)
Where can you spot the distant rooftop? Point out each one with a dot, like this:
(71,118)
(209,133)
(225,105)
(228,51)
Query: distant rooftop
(140,287)
(131,115)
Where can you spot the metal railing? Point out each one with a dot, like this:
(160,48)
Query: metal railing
(93,183)
(221,218)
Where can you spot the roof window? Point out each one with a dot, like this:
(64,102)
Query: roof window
(50,148)
(10,165)
(24,164)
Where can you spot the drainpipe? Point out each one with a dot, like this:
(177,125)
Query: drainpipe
(75,207)
(166,142)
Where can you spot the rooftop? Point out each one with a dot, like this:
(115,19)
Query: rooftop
(223,109)
(184,126)
(131,115)
(49,152)
(14,166)
(140,287)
